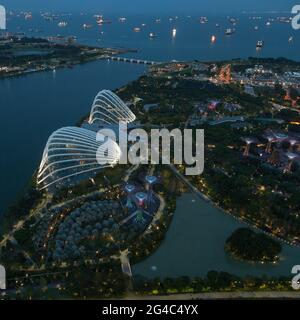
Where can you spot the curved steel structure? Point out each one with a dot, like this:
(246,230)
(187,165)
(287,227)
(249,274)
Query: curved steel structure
(109,109)
(72,152)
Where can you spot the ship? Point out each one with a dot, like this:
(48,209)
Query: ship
(233,20)
(256,28)
(284,19)
(48,18)
(152,35)
(259,44)
(62,24)
(122,19)
(101,21)
(203,20)
(137,29)
(28,16)
(72,39)
(87,26)
(291,39)
(229,32)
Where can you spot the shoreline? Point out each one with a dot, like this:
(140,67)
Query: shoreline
(193,188)
(245,221)
(17,58)
(179,175)
(66,66)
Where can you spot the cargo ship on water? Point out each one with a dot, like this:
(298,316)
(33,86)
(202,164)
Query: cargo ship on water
(259,44)
(100,20)
(229,31)
(62,24)
(203,20)
(152,35)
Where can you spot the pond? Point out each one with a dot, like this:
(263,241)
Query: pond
(194,245)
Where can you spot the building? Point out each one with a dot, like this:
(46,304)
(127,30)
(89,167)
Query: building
(108,109)
(72,154)
(225,74)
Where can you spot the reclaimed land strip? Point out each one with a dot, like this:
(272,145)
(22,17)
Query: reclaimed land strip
(24,55)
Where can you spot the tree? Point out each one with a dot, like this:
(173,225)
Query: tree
(248,245)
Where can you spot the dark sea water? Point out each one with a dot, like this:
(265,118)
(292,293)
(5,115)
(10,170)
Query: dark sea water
(192,41)
(33,106)
(194,245)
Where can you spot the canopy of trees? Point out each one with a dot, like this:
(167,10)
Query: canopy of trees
(248,245)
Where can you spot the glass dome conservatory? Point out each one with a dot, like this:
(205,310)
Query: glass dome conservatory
(72,154)
(108,109)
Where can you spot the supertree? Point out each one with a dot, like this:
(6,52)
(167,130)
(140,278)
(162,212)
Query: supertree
(248,141)
(293,142)
(271,139)
(150,180)
(141,198)
(291,157)
(129,189)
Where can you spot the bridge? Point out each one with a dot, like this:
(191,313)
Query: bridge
(132,60)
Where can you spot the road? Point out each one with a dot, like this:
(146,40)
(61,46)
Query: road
(27,256)
(19,225)
(189,184)
(222,296)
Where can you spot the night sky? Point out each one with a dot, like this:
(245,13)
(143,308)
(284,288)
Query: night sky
(151,6)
